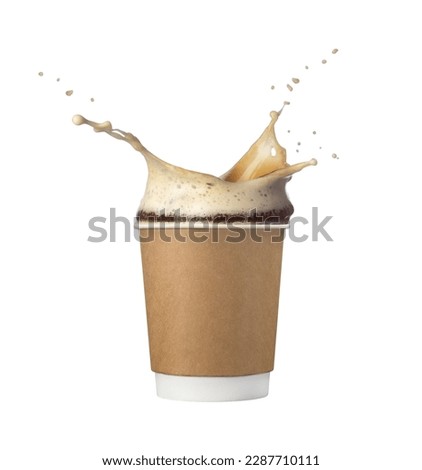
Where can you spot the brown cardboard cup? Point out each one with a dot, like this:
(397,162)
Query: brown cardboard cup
(212,302)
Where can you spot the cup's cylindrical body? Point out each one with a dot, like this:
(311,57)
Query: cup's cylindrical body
(212,300)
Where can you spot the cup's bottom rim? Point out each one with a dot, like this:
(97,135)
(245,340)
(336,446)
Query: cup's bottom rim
(188,388)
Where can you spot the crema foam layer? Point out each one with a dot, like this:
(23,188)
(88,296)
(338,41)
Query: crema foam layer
(254,187)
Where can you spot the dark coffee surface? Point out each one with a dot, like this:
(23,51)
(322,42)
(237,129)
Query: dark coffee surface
(279,216)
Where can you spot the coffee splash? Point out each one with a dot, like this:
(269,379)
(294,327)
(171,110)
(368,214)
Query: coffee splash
(255,183)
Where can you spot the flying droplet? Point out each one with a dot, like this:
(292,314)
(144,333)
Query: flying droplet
(92,100)
(334,155)
(314,132)
(288,132)
(77,119)
(57,79)
(272,87)
(286,103)
(69,92)
(295,80)
(306,67)
(289,87)
(297,150)
(334,51)
(40,74)
(298,143)
(324,61)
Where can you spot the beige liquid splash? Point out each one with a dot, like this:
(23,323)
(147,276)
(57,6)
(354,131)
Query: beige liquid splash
(265,156)
(256,182)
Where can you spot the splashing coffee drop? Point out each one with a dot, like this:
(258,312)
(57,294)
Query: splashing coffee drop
(69,92)
(290,88)
(40,74)
(334,51)
(324,61)
(295,80)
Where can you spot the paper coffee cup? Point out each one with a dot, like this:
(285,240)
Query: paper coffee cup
(212,295)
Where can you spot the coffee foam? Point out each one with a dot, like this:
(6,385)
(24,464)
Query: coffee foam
(256,183)
(189,194)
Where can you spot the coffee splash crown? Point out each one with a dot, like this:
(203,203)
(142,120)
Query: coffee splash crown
(256,182)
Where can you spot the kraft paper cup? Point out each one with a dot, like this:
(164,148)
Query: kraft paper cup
(212,295)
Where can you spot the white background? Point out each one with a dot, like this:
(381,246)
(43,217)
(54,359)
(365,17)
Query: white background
(192,79)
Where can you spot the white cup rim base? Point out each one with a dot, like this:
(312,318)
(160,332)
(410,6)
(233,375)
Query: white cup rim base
(178,387)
